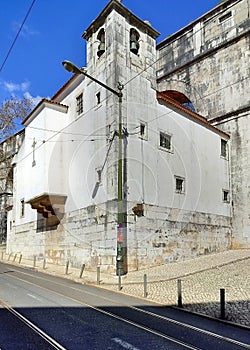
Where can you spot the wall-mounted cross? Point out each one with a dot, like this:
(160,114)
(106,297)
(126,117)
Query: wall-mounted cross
(33,146)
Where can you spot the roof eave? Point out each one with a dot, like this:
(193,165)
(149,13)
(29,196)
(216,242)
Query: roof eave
(197,118)
(117,6)
(41,105)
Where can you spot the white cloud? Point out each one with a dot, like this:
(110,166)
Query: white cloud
(36,99)
(10,87)
(14,87)
(25,85)
(20,90)
(26,31)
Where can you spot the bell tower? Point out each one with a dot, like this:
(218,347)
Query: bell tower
(120,45)
(121,52)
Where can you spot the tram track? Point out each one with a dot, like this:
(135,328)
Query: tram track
(136,316)
(51,343)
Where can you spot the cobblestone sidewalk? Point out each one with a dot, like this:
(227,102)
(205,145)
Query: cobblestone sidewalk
(202,278)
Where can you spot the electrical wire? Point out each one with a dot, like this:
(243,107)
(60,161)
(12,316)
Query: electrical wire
(129,81)
(180,45)
(17,35)
(56,131)
(141,72)
(92,108)
(61,131)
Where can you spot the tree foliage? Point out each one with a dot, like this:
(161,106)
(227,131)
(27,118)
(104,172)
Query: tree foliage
(12,113)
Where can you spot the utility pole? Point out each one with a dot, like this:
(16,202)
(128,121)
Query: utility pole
(121,225)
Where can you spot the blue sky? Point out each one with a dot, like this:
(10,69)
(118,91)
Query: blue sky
(52,33)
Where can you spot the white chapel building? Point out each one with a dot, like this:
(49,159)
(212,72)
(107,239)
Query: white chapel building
(169,163)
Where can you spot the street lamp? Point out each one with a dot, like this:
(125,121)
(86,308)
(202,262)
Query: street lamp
(121,256)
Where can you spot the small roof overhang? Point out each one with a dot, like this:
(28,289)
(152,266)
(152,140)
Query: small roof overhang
(43,104)
(49,205)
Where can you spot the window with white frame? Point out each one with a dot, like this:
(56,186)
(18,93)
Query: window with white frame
(179,184)
(165,141)
(79,104)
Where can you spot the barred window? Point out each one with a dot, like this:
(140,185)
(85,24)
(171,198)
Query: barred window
(165,141)
(225,17)
(223,149)
(179,184)
(79,104)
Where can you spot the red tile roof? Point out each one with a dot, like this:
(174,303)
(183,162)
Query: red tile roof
(188,113)
(44,100)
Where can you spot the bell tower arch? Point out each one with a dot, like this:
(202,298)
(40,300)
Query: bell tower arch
(119,44)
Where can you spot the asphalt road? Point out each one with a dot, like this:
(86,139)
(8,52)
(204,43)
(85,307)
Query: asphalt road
(38,311)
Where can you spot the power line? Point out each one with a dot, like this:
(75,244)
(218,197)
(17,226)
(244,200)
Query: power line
(58,131)
(17,35)
(158,59)
(61,131)
(167,52)
(140,73)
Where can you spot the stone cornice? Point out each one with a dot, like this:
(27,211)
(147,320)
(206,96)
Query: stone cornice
(115,5)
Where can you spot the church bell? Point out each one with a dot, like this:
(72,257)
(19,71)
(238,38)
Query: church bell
(134,47)
(101,49)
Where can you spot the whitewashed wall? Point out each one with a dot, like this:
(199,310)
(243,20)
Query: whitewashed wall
(174,226)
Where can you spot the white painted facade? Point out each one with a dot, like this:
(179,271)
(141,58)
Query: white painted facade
(73,166)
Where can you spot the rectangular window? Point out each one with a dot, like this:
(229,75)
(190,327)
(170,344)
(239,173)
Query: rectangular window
(22,206)
(179,184)
(223,149)
(98,98)
(143,131)
(79,104)
(165,141)
(225,17)
(225,196)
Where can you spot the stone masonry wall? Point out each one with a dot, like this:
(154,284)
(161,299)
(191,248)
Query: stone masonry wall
(238,127)
(167,235)
(25,240)
(161,236)
(208,61)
